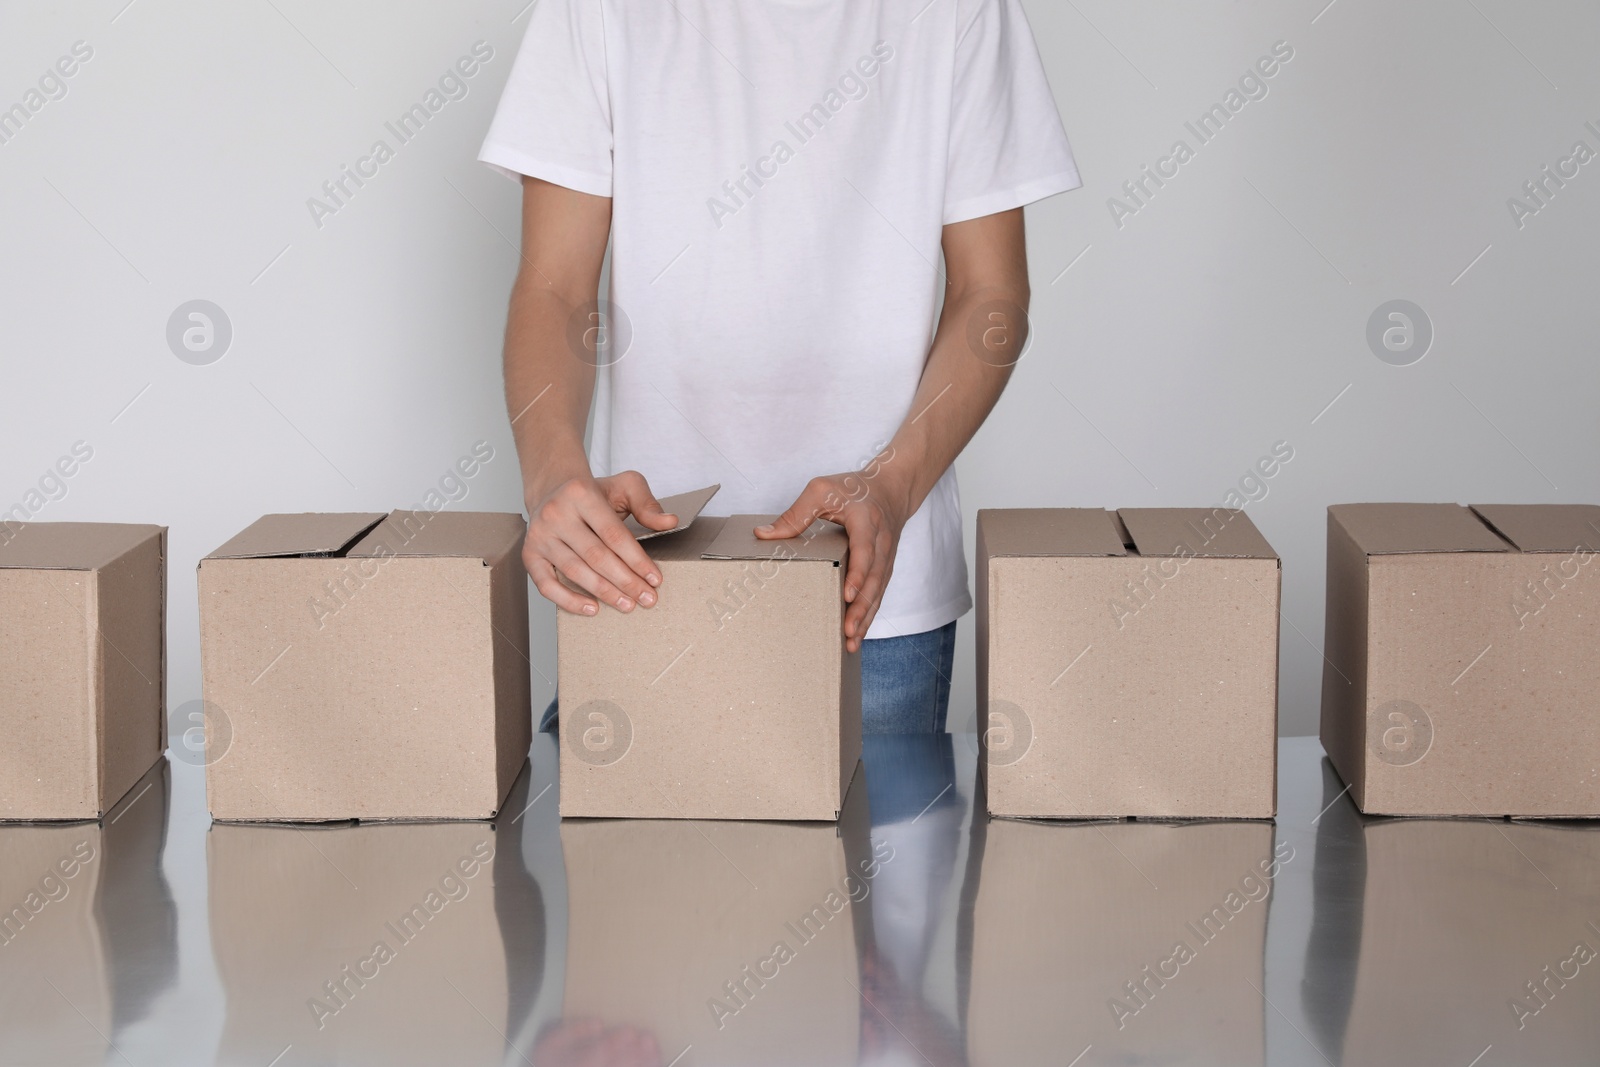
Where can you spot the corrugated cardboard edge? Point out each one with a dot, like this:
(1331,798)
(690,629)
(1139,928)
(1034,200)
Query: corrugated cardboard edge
(128,750)
(1343,725)
(1031,532)
(513,666)
(304,534)
(1398,528)
(1202,533)
(1531,528)
(981,659)
(822,541)
(685,506)
(849,721)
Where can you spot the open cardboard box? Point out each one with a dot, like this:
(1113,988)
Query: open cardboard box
(365,667)
(1127,663)
(82,665)
(1462,674)
(732,698)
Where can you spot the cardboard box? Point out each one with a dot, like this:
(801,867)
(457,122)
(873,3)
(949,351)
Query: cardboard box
(1141,940)
(1127,663)
(1461,672)
(1424,917)
(741,939)
(88,905)
(365,667)
(82,665)
(376,944)
(731,698)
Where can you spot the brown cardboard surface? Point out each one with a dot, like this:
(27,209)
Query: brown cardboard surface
(1545,527)
(732,698)
(82,669)
(1477,693)
(132,656)
(1385,529)
(381,685)
(487,536)
(673,928)
(685,506)
(297,535)
(1344,647)
(1194,532)
(70,546)
(1067,916)
(1100,705)
(1051,532)
(822,540)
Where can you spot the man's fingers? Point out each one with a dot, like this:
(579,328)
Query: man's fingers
(551,588)
(642,503)
(621,544)
(604,561)
(863,543)
(794,522)
(579,573)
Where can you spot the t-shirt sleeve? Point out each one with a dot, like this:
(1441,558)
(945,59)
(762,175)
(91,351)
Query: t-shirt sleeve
(554,117)
(1007,144)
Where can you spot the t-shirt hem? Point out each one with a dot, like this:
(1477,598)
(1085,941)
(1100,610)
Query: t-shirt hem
(922,621)
(1016,196)
(514,164)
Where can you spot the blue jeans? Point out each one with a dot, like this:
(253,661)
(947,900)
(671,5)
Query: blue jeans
(905,683)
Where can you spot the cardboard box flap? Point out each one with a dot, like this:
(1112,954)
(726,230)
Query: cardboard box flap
(298,535)
(822,540)
(1210,532)
(69,546)
(1395,529)
(1545,527)
(484,535)
(1050,532)
(686,506)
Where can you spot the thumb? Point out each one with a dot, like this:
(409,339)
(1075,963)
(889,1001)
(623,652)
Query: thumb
(643,505)
(792,523)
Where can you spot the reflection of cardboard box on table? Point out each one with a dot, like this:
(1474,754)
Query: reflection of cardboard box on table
(1471,933)
(386,944)
(739,938)
(86,906)
(1072,945)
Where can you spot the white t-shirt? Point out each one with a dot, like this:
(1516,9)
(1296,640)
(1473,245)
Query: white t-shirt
(780,171)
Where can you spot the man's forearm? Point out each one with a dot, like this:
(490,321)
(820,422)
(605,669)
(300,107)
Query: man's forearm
(548,388)
(549,372)
(982,331)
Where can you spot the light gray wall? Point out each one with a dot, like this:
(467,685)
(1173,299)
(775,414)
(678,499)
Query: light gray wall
(1227,313)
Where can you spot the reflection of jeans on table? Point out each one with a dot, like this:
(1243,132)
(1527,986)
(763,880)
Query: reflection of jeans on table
(905,683)
(917,813)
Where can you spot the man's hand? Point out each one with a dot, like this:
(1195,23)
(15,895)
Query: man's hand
(872,509)
(575,531)
(590,1043)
